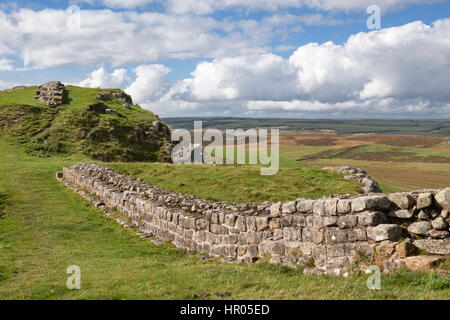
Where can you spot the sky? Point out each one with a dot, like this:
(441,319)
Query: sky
(240,58)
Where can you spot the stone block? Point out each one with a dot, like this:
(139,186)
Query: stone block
(391,232)
(289,207)
(344,206)
(402,200)
(371,218)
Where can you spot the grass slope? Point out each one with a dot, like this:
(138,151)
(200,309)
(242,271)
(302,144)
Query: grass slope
(241,184)
(72,128)
(47,228)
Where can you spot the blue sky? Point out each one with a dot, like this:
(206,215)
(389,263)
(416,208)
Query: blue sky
(256,58)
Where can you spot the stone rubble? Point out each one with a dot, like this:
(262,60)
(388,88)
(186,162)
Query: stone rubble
(331,232)
(50,93)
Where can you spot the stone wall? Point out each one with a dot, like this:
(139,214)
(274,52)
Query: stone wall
(334,232)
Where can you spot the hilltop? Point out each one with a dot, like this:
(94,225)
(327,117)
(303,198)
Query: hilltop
(102,124)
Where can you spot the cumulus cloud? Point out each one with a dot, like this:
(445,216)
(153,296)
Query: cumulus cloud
(380,71)
(101,78)
(43,39)
(400,71)
(150,83)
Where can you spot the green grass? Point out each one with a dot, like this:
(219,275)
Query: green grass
(240,184)
(420,152)
(48,227)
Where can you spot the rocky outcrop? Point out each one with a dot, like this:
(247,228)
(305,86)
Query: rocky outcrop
(331,232)
(51,93)
(119,95)
(359,175)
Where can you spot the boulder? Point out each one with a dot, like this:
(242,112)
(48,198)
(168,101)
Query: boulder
(421,263)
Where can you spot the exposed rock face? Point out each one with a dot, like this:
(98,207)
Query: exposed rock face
(359,175)
(51,93)
(327,230)
(122,96)
(97,107)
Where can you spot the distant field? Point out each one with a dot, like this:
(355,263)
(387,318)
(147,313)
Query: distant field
(397,127)
(399,163)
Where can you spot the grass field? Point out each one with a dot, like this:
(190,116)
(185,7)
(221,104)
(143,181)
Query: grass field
(47,228)
(381,127)
(241,184)
(399,163)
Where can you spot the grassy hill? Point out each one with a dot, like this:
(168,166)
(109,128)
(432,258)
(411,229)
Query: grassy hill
(127,134)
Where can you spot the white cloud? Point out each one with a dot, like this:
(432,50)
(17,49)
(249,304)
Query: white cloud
(6,64)
(401,71)
(42,39)
(150,83)
(251,77)
(101,78)
(376,72)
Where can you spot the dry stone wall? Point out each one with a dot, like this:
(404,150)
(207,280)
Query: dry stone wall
(331,232)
